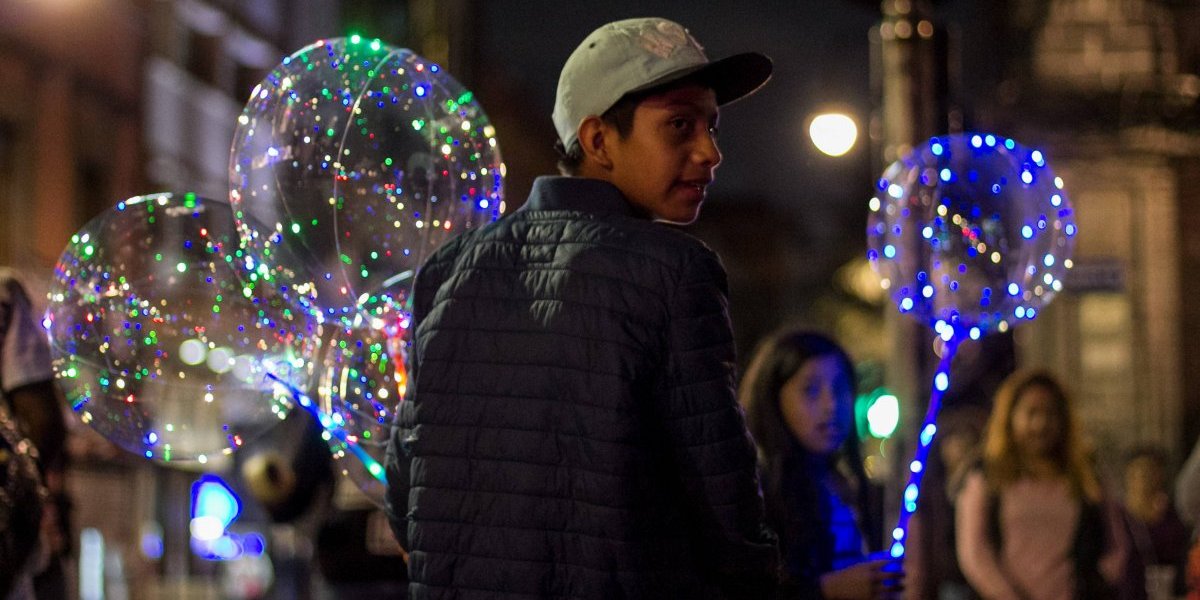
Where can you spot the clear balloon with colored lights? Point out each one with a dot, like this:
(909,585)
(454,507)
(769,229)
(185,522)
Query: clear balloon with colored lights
(362,157)
(361,377)
(971,234)
(973,230)
(169,339)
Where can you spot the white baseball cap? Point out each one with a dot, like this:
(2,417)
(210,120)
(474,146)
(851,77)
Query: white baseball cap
(639,54)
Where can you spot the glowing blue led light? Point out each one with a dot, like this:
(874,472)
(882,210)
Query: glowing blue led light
(1069,230)
(896,191)
(947,333)
(212,498)
(995,188)
(1013,289)
(253,544)
(937,149)
(1048,260)
(1010,144)
(420,91)
(897,550)
(927,291)
(1019,312)
(1031,313)
(975,333)
(916,466)
(897,534)
(889,251)
(1026,177)
(927,434)
(927,232)
(911,492)
(1027,232)
(1056,200)
(1037,158)
(945,174)
(906,305)
(941,381)
(990,140)
(976,141)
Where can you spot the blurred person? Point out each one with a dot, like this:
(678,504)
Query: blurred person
(1160,538)
(798,394)
(572,428)
(28,393)
(1187,502)
(1033,522)
(22,501)
(931,557)
(30,397)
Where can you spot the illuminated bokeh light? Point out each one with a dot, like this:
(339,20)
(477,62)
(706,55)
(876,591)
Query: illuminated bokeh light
(972,231)
(833,133)
(362,157)
(169,339)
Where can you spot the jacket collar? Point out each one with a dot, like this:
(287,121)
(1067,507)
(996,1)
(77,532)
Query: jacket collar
(592,196)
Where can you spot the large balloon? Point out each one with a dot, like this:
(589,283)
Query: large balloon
(361,379)
(363,157)
(972,231)
(169,339)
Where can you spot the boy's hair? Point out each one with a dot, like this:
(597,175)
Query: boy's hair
(620,116)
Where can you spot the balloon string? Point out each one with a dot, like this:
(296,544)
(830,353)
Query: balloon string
(373,467)
(916,469)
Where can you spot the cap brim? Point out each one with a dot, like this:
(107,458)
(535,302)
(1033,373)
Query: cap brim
(732,77)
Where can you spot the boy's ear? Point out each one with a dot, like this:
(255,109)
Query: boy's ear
(593,135)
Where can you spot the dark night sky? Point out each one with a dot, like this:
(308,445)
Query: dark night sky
(821,56)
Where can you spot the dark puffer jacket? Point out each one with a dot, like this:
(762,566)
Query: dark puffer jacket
(572,430)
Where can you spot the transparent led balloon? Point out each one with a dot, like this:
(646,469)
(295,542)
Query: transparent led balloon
(363,157)
(169,339)
(971,230)
(361,379)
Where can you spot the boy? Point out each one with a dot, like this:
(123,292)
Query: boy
(573,429)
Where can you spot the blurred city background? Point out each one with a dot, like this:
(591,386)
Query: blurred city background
(107,99)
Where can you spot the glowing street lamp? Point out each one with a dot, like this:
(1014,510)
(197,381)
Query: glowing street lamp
(833,133)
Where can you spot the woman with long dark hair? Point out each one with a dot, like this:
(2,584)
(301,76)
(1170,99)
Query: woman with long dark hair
(798,394)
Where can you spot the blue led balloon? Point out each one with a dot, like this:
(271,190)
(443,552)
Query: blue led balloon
(970,234)
(972,230)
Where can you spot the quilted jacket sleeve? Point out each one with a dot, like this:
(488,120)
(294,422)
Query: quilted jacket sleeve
(398,462)
(707,433)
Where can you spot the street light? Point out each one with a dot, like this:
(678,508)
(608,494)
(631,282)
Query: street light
(833,133)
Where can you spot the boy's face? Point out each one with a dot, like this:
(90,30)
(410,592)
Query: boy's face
(667,161)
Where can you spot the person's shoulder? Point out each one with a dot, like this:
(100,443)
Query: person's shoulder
(663,241)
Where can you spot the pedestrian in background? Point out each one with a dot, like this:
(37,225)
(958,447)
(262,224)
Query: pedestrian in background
(1033,522)
(30,400)
(1160,538)
(798,394)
